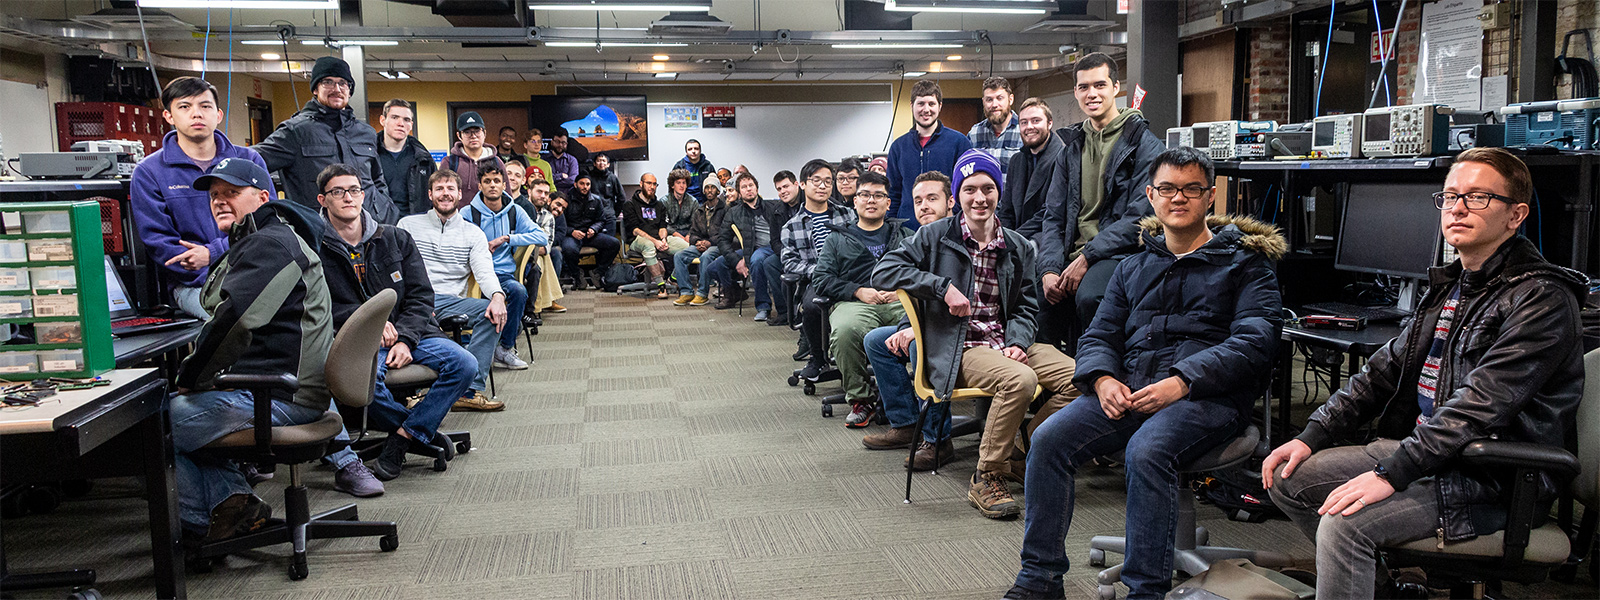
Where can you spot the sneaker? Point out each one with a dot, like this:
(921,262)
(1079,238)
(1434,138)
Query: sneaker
(802,354)
(253,473)
(699,300)
(683,300)
(811,371)
(507,358)
(861,414)
(761,315)
(477,402)
(925,455)
(1018,592)
(661,292)
(893,439)
(357,480)
(989,494)
(238,515)
(555,308)
(392,458)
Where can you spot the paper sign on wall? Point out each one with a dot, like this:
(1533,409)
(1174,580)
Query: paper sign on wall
(717,117)
(681,117)
(1450,57)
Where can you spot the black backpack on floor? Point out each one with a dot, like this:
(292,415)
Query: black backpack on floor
(618,275)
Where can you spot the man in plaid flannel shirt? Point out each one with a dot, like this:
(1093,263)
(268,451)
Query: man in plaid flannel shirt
(999,132)
(802,239)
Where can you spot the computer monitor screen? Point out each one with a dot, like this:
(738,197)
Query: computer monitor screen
(1377,128)
(1389,228)
(121,306)
(1322,134)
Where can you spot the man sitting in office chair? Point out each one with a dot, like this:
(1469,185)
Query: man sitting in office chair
(507,227)
(1494,351)
(269,311)
(1175,355)
(363,258)
(453,249)
(976,281)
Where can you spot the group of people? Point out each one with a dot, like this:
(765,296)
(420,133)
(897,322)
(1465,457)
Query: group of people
(1077,274)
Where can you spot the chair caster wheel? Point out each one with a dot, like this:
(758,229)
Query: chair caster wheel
(297,568)
(810,389)
(389,543)
(794,380)
(84,594)
(1097,558)
(1107,592)
(827,411)
(462,448)
(440,465)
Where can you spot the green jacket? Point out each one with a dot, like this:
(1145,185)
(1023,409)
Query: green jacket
(845,265)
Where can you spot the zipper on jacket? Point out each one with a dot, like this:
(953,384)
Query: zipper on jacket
(1440,536)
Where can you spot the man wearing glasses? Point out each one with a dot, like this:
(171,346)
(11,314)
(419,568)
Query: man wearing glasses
(803,236)
(469,152)
(1494,351)
(1169,368)
(324,132)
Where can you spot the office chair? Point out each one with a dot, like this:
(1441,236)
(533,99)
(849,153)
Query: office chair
(799,286)
(587,265)
(403,383)
(1521,552)
(351,371)
(922,386)
(530,318)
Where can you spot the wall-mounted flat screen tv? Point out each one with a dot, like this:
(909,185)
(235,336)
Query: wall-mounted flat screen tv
(614,125)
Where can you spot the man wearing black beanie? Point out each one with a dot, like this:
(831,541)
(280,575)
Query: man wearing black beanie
(324,132)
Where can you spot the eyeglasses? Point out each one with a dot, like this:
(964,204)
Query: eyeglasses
(874,196)
(1475,200)
(340,193)
(849,178)
(332,83)
(819,181)
(1192,192)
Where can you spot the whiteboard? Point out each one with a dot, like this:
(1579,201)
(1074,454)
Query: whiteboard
(768,138)
(26,126)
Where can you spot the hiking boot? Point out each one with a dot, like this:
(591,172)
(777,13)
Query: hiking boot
(761,315)
(357,480)
(555,308)
(238,515)
(477,402)
(683,300)
(699,300)
(728,301)
(861,414)
(989,494)
(924,456)
(1018,465)
(894,439)
(506,358)
(392,458)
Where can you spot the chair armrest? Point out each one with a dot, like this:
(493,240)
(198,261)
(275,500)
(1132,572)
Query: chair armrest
(261,386)
(454,323)
(1494,453)
(792,277)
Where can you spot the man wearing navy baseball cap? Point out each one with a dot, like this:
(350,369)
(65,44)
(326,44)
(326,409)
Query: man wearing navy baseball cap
(978,296)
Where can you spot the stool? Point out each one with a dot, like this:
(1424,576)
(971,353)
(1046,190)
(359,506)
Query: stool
(587,265)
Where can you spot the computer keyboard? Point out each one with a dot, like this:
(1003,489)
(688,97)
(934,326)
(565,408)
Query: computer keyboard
(1373,314)
(138,322)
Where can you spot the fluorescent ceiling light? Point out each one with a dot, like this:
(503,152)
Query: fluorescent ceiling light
(614,44)
(619,5)
(261,42)
(891,46)
(953,57)
(661,57)
(394,74)
(271,56)
(915,73)
(341,43)
(1001,7)
(666,75)
(278,4)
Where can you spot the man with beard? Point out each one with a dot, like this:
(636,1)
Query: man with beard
(929,146)
(998,133)
(1029,176)
(563,165)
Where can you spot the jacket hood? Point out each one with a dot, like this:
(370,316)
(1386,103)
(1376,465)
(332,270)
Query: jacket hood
(306,223)
(460,149)
(1254,235)
(479,205)
(369,228)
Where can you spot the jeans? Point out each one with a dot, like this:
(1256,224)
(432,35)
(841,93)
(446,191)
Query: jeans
(455,367)
(480,346)
(606,244)
(188,300)
(850,322)
(758,276)
(1346,546)
(200,418)
(1154,446)
(681,265)
(557,259)
(516,306)
(772,275)
(900,403)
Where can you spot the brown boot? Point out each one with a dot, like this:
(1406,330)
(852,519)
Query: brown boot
(1019,465)
(989,494)
(893,439)
(925,452)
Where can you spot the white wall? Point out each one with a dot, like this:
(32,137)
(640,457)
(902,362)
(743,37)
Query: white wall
(29,121)
(768,138)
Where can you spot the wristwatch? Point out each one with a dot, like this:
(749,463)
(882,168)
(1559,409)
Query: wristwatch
(1380,471)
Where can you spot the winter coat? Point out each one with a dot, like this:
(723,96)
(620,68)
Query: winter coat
(845,264)
(392,262)
(705,221)
(417,177)
(1022,199)
(306,143)
(589,212)
(1512,371)
(1124,204)
(744,217)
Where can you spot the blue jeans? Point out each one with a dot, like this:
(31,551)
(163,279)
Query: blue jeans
(900,402)
(516,306)
(480,346)
(772,276)
(608,246)
(758,276)
(1154,446)
(200,418)
(455,367)
(681,266)
(188,300)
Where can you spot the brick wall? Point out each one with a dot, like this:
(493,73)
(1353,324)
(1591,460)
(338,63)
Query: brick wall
(1268,82)
(1194,10)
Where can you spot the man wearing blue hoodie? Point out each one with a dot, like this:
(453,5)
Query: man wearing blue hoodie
(507,227)
(174,220)
(698,166)
(929,146)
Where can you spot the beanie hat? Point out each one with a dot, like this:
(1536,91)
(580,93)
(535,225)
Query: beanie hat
(878,162)
(331,66)
(975,161)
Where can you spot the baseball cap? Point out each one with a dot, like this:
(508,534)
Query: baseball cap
(468,120)
(237,171)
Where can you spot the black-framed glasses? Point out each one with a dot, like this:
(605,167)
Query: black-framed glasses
(1475,200)
(1192,192)
(340,193)
(876,196)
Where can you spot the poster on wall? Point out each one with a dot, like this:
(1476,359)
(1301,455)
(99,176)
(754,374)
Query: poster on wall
(717,117)
(1450,57)
(682,117)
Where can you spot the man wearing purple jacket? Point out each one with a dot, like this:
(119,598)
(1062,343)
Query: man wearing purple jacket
(174,221)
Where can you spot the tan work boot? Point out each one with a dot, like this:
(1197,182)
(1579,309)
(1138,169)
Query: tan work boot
(894,438)
(682,299)
(699,300)
(477,402)
(991,497)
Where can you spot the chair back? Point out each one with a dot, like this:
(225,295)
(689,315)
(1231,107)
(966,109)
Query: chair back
(472,291)
(919,376)
(352,365)
(521,256)
(1586,487)
(737,235)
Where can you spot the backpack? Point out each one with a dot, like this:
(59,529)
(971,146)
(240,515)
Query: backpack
(1239,495)
(618,275)
(1238,579)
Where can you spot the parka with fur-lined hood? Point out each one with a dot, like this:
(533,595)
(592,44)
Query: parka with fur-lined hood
(1211,317)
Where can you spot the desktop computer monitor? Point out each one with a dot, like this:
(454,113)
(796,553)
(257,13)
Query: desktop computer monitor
(1389,229)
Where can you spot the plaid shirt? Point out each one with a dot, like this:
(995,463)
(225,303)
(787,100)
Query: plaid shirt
(985,327)
(799,253)
(1001,147)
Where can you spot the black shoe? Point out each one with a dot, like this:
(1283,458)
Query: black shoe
(811,371)
(238,515)
(777,319)
(802,354)
(392,458)
(1018,592)
(445,444)
(254,475)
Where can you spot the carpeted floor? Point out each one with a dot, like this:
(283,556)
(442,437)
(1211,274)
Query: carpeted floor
(652,452)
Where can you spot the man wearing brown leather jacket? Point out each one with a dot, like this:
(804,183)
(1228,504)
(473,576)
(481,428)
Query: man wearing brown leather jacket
(1494,352)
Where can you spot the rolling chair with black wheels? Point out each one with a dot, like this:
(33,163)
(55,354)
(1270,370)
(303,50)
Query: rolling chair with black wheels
(1521,552)
(351,372)
(403,383)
